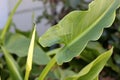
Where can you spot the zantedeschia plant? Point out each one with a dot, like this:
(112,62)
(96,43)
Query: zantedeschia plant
(73,32)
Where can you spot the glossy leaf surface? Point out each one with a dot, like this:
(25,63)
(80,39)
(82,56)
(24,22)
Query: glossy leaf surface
(79,27)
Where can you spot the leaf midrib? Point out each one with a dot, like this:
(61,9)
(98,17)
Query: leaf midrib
(89,28)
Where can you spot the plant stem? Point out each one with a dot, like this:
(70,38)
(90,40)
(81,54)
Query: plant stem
(27,74)
(47,69)
(6,27)
(12,65)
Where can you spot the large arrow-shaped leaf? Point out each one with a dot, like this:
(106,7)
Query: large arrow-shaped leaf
(79,27)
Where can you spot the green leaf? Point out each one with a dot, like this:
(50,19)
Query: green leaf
(92,70)
(40,56)
(62,74)
(19,44)
(12,65)
(96,78)
(30,55)
(79,27)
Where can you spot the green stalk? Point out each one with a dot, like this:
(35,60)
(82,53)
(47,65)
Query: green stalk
(47,69)
(7,25)
(12,65)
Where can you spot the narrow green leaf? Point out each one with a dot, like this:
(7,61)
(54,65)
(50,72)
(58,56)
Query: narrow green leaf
(12,65)
(7,25)
(77,28)
(92,70)
(96,78)
(30,55)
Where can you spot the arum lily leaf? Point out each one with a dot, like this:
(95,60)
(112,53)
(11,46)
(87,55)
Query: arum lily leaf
(18,44)
(79,27)
(92,70)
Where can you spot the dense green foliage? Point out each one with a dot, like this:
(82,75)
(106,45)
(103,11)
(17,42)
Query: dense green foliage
(110,37)
(76,58)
